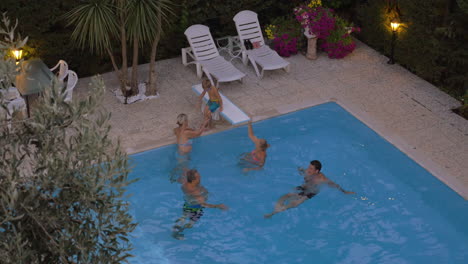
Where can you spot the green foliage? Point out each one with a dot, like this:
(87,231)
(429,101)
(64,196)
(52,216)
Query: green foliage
(337,4)
(433,40)
(62,181)
(142,21)
(340,33)
(286,25)
(463,4)
(50,38)
(95,25)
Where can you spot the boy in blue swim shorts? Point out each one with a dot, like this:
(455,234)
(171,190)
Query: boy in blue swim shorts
(214,106)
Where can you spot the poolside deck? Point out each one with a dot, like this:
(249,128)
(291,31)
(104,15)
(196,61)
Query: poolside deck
(409,112)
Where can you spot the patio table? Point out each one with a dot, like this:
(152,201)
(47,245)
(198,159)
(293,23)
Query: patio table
(34,76)
(232,46)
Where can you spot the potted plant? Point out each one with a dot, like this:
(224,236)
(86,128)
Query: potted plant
(317,22)
(322,23)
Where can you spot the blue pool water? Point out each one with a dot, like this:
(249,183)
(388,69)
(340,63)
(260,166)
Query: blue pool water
(400,214)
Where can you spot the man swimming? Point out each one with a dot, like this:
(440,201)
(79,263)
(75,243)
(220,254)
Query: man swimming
(313,179)
(195,200)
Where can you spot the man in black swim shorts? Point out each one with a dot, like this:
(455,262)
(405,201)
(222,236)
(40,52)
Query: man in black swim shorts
(195,200)
(313,179)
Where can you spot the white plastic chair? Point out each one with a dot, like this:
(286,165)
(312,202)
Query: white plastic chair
(207,58)
(17,104)
(63,69)
(248,28)
(71,83)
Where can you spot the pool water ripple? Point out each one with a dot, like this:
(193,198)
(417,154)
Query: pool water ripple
(400,214)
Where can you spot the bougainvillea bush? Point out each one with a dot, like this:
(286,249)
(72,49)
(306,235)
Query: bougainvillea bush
(285,45)
(318,20)
(285,35)
(339,43)
(333,31)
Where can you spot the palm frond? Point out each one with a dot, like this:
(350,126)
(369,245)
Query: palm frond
(145,18)
(95,25)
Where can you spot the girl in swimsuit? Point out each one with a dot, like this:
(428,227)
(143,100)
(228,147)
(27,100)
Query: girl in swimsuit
(184,136)
(255,159)
(214,106)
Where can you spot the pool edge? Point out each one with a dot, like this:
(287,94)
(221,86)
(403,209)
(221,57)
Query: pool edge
(416,155)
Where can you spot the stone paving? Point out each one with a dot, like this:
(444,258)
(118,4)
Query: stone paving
(409,112)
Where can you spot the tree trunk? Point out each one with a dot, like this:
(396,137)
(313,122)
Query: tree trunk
(117,72)
(135,67)
(123,44)
(152,87)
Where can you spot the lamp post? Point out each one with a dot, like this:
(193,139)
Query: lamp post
(394,25)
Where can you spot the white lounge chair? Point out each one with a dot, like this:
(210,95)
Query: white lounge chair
(230,112)
(248,28)
(71,83)
(207,58)
(62,69)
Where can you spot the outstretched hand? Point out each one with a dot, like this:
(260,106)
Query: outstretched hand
(346,192)
(222,207)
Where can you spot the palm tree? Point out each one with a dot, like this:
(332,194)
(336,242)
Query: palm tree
(145,26)
(163,12)
(97,23)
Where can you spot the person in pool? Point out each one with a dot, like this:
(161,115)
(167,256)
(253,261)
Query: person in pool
(313,180)
(255,159)
(214,106)
(195,200)
(184,136)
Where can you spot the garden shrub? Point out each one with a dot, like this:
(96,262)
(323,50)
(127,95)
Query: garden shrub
(339,42)
(331,29)
(285,34)
(50,38)
(433,42)
(63,179)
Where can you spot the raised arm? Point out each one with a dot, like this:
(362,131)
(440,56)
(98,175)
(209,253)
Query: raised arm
(251,133)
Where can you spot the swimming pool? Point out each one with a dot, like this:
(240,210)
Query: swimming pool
(400,214)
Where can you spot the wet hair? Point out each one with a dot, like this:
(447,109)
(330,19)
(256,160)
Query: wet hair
(316,164)
(206,83)
(264,145)
(181,119)
(191,175)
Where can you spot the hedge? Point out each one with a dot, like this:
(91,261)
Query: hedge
(433,42)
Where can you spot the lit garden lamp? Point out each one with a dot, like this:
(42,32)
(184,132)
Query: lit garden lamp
(394,25)
(18,54)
